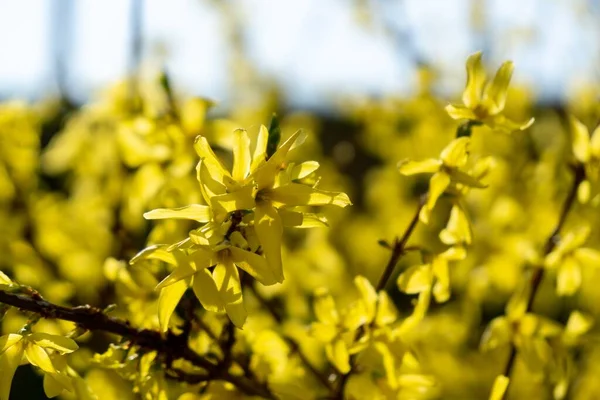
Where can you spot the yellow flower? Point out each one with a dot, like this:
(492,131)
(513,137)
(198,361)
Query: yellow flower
(41,350)
(264,186)
(568,258)
(587,152)
(433,277)
(484,102)
(449,168)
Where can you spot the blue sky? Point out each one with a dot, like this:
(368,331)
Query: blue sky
(315,49)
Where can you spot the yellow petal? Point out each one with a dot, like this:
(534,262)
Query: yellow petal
(498,333)
(7,341)
(323,332)
(167,301)
(324,307)
(437,185)
(9,362)
(386,310)
(578,324)
(500,123)
(459,112)
(302,219)
(209,185)
(265,175)
(456,153)
(260,151)
(497,90)
(584,191)
(302,170)
(296,194)
(389,363)
(581,140)
(441,288)
(475,81)
(4,279)
(37,356)
(59,343)
(196,212)
(466,179)
(416,279)
(155,252)
(428,166)
(227,278)
(207,292)
(209,159)
(588,257)
(595,142)
(51,386)
(458,229)
(269,230)
(253,264)
(337,354)
(367,294)
(183,271)
(241,199)
(568,278)
(241,155)
(499,388)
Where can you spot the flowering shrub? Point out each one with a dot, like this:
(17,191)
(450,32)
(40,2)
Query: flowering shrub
(151,251)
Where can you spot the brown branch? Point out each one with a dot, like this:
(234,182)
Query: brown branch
(93,319)
(538,273)
(398,250)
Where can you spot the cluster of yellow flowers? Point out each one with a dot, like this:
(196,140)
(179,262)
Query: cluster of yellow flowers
(494,243)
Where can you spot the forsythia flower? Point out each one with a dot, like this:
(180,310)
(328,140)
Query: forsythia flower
(587,152)
(40,349)
(447,170)
(244,220)
(483,102)
(568,258)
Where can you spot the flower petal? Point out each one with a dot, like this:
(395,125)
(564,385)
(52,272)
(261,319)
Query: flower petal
(207,292)
(196,212)
(38,357)
(155,252)
(9,362)
(253,264)
(227,278)
(324,307)
(581,140)
(437,185)
(56,342)
(458,229)
(260,151)
(269,230)
(209,159)
(337,353)
(497,90)
(429,166)
(167,301)
(298,219)
(183,271)
(475,81)
(304,169)
(499,388)
(265,175)
(241,199)
(367,294)
(456,153)
(296,194)
(416,279)
(568,278)
(7,341)
(456,111)
(241,155)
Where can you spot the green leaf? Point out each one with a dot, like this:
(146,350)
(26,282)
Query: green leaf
(274,136)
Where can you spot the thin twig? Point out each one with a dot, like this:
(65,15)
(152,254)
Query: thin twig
(538,273)
(398,250)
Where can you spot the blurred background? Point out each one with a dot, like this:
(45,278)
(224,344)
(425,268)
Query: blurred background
(313,52)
